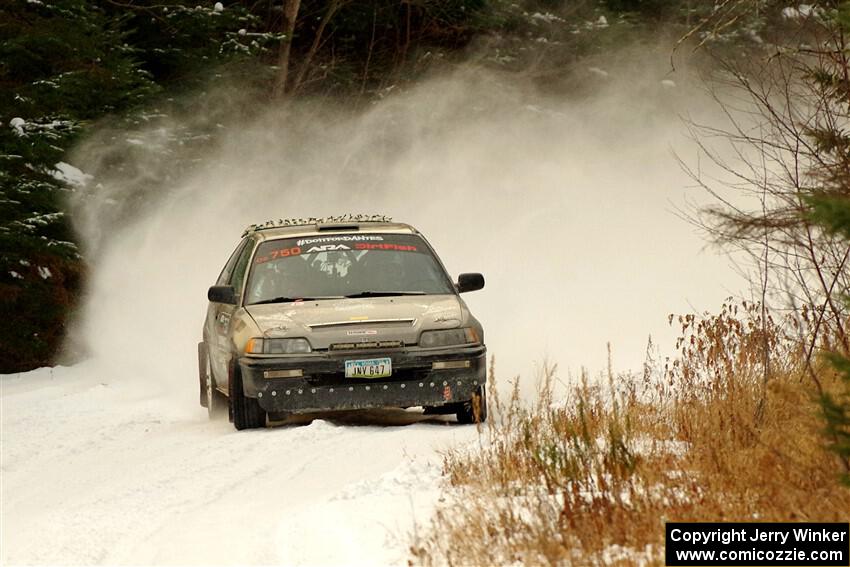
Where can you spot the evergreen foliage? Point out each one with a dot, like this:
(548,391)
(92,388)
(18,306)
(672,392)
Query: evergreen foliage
(65,64)
(830,208)
(833,213)
(836,414)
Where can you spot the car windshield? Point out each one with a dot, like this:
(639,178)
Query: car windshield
(344,265)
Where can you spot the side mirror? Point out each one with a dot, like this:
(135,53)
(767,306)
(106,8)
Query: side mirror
(469,282)
(222,294)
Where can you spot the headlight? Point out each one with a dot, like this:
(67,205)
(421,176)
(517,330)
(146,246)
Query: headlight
(448,337)
(277,346)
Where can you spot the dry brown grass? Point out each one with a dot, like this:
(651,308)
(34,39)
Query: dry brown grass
(729,430)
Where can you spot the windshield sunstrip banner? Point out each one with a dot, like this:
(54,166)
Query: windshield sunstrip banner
(291,247)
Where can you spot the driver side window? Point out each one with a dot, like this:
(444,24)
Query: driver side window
(237,278)
(224,276)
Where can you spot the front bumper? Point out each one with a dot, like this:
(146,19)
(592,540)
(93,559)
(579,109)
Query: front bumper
(324,386)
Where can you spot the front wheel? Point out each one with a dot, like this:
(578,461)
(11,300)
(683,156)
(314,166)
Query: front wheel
(245,412)
(475,410)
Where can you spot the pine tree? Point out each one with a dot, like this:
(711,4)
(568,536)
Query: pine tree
(64,64)
(830,208)
(833,212)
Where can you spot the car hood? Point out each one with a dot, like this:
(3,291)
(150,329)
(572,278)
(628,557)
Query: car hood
(357,320)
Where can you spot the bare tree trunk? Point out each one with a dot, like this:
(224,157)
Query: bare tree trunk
(406,32)
(369,52)
(317,42)
(290,16)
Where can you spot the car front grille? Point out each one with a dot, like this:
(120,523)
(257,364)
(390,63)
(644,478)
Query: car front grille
(365,346)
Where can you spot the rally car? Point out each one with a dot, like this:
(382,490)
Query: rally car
(311,315)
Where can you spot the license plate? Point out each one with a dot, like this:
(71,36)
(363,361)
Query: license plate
(370,368)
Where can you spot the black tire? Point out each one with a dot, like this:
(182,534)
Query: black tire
(245,412)
(475,410)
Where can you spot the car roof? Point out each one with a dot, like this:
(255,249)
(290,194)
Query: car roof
(287,228)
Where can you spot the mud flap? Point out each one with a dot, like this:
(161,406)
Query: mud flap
(202,372)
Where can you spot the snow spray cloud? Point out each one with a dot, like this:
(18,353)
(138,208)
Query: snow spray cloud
(566,206)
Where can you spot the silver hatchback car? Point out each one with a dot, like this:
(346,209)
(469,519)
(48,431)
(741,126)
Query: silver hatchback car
(342,313)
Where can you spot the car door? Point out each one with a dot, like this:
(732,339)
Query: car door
(220,314)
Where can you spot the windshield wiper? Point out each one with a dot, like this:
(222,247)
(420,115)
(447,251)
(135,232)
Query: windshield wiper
(293,299)
(384,293)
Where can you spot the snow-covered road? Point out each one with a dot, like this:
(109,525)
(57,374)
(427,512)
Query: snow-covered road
(104,471)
